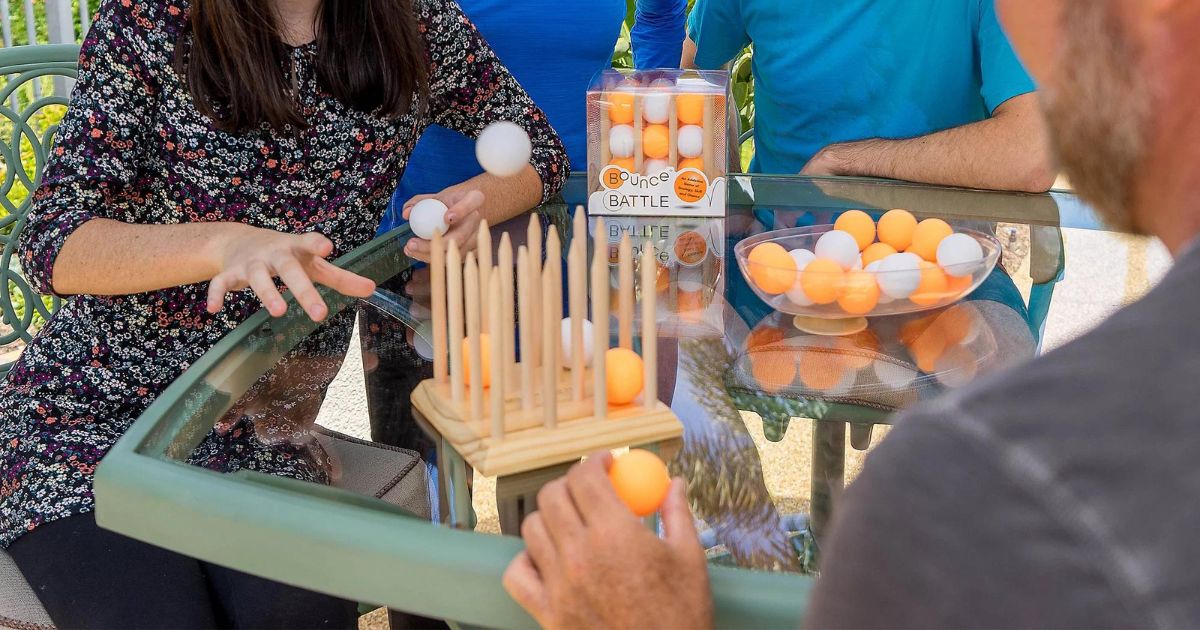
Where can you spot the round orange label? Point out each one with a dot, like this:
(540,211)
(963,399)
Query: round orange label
(612,177)
(690,248)
(691,186)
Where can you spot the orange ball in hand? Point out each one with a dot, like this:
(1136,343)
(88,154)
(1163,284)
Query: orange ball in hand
(641,481)
(859,225)
(485,354)
(928,236)
(772,269)
(624,374)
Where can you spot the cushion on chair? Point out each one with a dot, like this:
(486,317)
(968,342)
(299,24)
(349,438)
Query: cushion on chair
(19,607)
(395,475)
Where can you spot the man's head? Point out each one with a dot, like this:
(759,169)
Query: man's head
(1112,78)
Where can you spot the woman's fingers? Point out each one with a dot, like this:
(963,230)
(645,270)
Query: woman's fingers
(408,205)
(316,244)
(345,282)
(417,249)
(293,275)
(217,288)
(469,202)
(264,287)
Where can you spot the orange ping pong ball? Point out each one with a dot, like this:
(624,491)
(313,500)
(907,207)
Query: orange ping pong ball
(696,163)
(656,141)
(859,224)
(896,228)
(624,375)
(625,163)
(927,236)
(821,279)
(932,288)
(876,251)
(485,354)
(859,293)
(690,108)
(641,481)
(772,269)
(620,110)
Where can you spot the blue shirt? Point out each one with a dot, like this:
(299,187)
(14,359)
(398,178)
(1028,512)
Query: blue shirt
(554,48)
(830,71)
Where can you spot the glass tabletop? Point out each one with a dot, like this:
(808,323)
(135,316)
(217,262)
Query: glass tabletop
(766,407)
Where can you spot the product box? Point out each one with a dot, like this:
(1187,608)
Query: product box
(659,143)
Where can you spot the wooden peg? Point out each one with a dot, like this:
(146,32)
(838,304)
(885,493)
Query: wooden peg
(554,263)
(649,328)
(577,296)
(525,322)
(599,326)
(454,273)
(437,281)
(499,364)
(483,249)
(625,293)
(549,362)
(504,261)
(534,241)
(474,351)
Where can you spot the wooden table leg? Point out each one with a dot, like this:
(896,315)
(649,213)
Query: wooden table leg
(828,472)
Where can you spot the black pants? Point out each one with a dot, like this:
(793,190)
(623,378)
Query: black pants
(88,577)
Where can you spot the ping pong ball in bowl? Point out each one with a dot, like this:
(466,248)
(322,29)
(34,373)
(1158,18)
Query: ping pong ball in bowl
(876,252)
(641,481)
(620,141)
(932,288)
(620,107)
(656,108)
(821,280)
(772,269)
(796,294)
(873,268)
(838,246)
(428,216)
(656,141)
(927,236)
(957,252)
(858,224)
(896,228)
(859,293)
(899,275)
(690,108)
(691,141)
(623,375)
(567,350)
(503,149)
(485,355)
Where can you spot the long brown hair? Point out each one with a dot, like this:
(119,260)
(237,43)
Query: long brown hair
(370,56)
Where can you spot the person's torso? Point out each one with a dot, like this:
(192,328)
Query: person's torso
(553,48)
(828,72)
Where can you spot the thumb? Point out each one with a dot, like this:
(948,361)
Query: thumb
(316,244)
(677,518)
(470,201)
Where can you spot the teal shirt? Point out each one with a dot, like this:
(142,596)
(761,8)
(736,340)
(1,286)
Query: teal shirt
(830,71)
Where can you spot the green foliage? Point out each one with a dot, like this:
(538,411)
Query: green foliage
(741,72)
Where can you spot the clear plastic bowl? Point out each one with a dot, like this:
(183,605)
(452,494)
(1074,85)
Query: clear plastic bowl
(965,279)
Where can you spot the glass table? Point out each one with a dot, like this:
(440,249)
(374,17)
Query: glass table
(767,412)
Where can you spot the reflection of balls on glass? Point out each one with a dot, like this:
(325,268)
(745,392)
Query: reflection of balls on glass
(567,350)
(959,254)
(859,225)
(620,141)
(656,141)
(428,216)
(927,236)
(641,481)
(656,108)
(485,354)
(771,268)
(896,228)
(838,246)
(691,141)
(503,149)
(772,370)
(690,108)
(899,275)
(624,375)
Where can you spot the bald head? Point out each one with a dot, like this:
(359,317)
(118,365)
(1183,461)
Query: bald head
(1118,83)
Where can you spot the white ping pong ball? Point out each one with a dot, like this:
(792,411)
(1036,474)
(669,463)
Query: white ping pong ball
(503,149)
(691,141)
(620,141)
(899,275)
(873,268)
(656,108)
(839,247)
(796,294)
(427,217)
(956,252)
(588,335)
(654,167)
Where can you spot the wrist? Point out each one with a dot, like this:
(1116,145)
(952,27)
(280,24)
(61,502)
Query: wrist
(224,239)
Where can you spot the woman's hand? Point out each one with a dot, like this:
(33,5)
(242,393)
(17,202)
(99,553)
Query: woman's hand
(254,257)
(462,216)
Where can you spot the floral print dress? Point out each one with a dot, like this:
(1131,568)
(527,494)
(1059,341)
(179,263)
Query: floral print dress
(134,148)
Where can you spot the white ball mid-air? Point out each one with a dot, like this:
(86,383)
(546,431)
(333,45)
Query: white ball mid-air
(899,275)
(620,141)
(691,141)
(839,247)
(796,294)
(503,149)
(956,252)
(427,217)
(566,341)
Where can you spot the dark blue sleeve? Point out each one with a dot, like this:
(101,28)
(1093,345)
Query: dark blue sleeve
(658,33)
